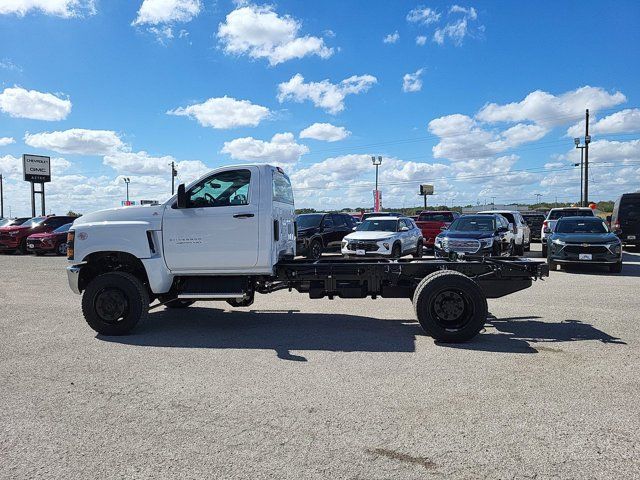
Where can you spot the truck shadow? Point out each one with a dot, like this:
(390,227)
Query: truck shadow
(280,330)
(516,334)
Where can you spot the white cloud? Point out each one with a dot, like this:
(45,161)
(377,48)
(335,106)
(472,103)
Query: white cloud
(77,141)
(21,103)
(155,12)
(324,94)
(58,8)
(11,167)
(163,34)
(325,131)
(4,141)
(412,82)
(141,163)
(391,38)
(281,150)
(624,121)
(423,15)
(458,29)
(7,64)
(421,40)
(550,110)
(258,31)
(224,112)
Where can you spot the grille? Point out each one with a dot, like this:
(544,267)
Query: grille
(366,246)
(461,245)
(35,242)
(588,249)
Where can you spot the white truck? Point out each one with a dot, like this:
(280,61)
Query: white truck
(231,234)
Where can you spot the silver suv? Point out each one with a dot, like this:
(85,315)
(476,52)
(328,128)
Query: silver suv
(521,230)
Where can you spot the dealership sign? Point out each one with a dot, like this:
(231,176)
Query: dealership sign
(426,189)
(37,169)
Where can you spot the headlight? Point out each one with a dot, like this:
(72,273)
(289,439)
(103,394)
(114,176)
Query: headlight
(438,242)
(344,244)
(557,241)
(486,242)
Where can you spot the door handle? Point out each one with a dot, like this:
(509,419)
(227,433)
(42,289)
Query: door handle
(243,215)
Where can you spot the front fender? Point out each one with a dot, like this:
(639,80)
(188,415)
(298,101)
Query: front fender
(125,236)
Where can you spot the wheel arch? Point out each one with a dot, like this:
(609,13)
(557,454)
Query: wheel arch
(98,263)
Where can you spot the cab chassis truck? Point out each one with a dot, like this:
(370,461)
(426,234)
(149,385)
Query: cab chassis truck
(231,234)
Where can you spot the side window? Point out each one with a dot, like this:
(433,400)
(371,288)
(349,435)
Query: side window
(222,189)
(339,221)
(327,222)
(402,224)
(282,191)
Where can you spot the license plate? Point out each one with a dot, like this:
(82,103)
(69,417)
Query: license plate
(585,256)
(360,252)
(31,245)
(631,237)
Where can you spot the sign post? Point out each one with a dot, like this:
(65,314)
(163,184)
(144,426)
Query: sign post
(37,169)
(425,190)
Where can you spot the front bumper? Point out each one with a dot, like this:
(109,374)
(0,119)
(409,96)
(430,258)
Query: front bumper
(577,253)
(9,243)
(368,248)
(441,253)
(73,277)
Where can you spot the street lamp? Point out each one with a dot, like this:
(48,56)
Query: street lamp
(581,147)
(126,181)
(377,162)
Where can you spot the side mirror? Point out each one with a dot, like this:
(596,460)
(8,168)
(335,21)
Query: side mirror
(182,196)
(404,229)
(354,228)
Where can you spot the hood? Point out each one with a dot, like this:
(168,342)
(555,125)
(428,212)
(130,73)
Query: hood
(146,213)
(44,235)
(13,228)
(307,231)
(369,235)
(586,237)
(474,235)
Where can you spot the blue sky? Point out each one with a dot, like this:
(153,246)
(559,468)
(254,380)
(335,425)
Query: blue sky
(121,88)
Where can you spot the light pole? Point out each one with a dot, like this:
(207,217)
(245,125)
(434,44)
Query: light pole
(538,195)
(581,147)
(126,181)
(174,174)
(1,199)
(377,162)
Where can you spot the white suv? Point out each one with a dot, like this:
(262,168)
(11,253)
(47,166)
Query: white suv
(521,229)
(384,236)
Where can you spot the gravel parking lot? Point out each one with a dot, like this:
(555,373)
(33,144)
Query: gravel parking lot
(299,388)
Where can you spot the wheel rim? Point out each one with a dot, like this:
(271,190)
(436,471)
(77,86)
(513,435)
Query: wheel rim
(111,305)
(62,249)
(452,309)
(316,250)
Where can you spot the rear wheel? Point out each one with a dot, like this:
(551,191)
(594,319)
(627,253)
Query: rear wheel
(419,250)
(396,251)
(315,250)
(450,306)
(22,249)
(114,303)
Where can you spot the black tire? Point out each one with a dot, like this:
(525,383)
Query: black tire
(61,249)
(22,249)
(512,246)
(114,303)
(544,250)
(616,267)
(245,302)
(518,250)
(315,250)
(419,250)
(396,250)
(450,306)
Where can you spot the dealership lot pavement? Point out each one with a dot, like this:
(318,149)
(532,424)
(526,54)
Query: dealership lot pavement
(299,388)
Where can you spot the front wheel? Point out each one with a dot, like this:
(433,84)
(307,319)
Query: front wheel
(315,250)
(419,250)
(616,267)
(114,303)
(396,251)
(450,306)
(62,249)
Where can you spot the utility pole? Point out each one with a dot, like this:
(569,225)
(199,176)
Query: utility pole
(377,162)
(581,147)
(126,181)
(1,199)
(538,195)
(174,174)
(493,201)
(587,141)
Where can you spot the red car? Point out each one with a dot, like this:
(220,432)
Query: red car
(433,222)
(51,242)
(14,238)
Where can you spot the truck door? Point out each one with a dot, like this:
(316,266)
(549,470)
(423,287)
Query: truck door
(219,228)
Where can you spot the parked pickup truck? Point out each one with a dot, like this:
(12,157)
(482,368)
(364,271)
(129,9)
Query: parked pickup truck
(231,234)
(431,223)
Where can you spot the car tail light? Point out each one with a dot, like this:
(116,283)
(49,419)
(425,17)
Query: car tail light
(70,239)
(545,224)
(616,226)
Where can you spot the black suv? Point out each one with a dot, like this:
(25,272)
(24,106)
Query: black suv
(625,220)
(321,232)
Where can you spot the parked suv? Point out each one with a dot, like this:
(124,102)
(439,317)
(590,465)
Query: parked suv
(534,220)
(384,236)
(625,219)
(556,214)
(321,232)
(10,222)
(431,223)
(49,242)
(521,231)
(486,235)
(14,238)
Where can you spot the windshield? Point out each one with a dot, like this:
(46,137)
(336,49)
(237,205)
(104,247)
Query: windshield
(473,224)
(557,214)
(33,222)
(63,228)
(581,226)
(436,217)
(378,226)
(311,220)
